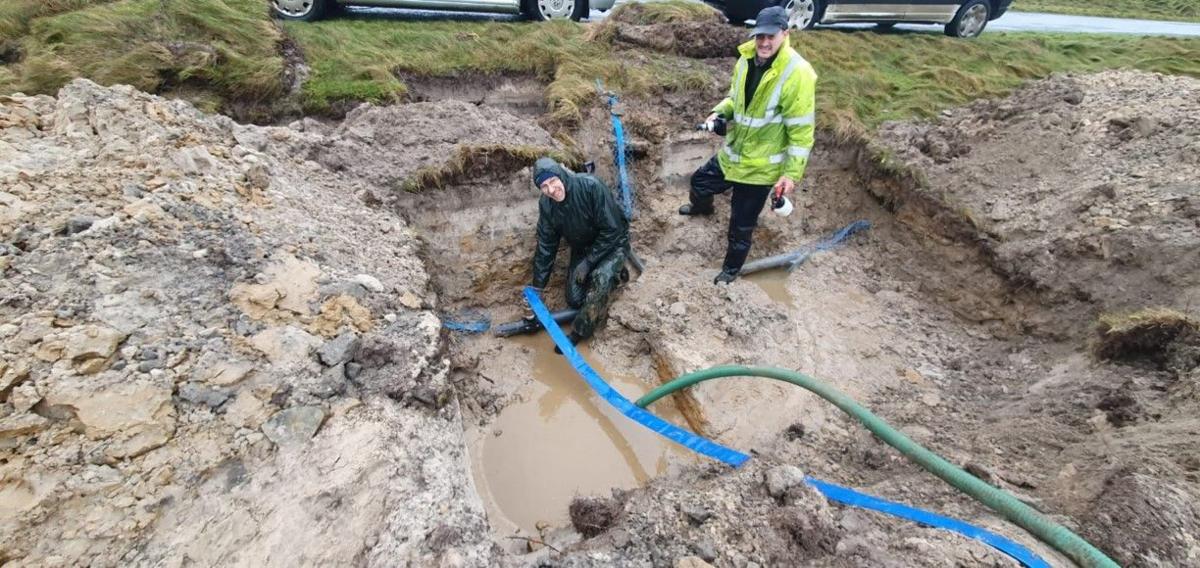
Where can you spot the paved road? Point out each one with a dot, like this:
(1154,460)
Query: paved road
(1012,21)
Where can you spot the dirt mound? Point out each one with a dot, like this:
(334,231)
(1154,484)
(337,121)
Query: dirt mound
(206,346)
(1082,192)
(701,35)
(1086,187)
(392,148)
(593,515)
(211,340)
(1145,520)
(1166,338)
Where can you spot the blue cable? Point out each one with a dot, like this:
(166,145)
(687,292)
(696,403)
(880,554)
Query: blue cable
(735,458)
(623,183)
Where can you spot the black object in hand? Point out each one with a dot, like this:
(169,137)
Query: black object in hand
(718,126)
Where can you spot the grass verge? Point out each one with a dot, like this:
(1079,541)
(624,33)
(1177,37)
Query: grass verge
(867,77)
(362,59)
(228,47)
(229,50)
(1174,10)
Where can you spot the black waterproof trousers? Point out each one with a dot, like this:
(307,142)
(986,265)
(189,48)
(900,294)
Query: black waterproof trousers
(595,295)
(746,204)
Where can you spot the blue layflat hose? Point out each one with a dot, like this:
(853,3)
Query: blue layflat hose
(735,458)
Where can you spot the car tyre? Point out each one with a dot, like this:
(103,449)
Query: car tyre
(802,14)
(970,20)
(542,10)
(302,10)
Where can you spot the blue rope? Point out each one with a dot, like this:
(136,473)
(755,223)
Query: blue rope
(468,321)
(735,458)
(833,241)
(467,326)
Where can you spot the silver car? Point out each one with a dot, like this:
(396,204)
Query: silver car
(309,10)
(961,18)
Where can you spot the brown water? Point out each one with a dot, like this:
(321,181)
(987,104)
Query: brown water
(774,283)
(563,440)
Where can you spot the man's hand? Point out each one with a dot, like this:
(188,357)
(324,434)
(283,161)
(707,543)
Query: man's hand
(710,120)
(785,186)
(581,272)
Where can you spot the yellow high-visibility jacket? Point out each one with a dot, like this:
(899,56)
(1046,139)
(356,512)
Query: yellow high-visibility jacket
(773,137)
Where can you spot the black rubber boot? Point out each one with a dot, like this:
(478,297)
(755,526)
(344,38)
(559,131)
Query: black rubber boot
(726,276)
(574,339)
(689,210)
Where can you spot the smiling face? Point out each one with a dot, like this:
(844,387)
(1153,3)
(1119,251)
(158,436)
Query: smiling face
(554,189)
(766,46)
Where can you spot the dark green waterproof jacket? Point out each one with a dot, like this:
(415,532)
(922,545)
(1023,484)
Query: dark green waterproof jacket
(589,218)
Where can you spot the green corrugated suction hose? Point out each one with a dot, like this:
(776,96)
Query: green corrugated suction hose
(1044,529)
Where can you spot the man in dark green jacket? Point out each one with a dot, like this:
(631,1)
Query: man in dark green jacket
(582,210)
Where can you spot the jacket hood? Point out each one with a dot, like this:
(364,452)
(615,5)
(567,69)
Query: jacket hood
(545,164)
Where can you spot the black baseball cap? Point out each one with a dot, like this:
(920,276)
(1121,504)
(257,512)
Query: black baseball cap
(771,20)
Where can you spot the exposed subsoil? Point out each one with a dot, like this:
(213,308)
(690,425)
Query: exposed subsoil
(221,342)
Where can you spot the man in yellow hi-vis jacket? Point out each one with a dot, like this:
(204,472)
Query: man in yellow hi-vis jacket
(769,113)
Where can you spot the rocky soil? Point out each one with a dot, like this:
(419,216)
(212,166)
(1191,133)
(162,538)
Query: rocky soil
(222,346)
(212,346)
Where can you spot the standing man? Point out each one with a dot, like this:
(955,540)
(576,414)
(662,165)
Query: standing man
(582,210)
(768,138)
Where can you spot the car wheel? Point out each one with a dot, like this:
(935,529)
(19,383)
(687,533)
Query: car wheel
(303,10)
(802,14)
(970,20)
(542,10)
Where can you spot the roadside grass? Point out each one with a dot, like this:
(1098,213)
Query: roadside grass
(867,78)
(363,59)
(15,15)
(228,47)
(222,52)
(1177,10)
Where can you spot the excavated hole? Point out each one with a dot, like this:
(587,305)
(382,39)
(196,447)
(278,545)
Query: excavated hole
(538,436)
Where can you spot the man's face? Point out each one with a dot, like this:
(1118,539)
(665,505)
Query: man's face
(767,46)
(554,189)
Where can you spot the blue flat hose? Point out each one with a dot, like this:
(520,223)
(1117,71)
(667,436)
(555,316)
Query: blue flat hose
(676,434)
(848,496)
(735,458)
(998,500)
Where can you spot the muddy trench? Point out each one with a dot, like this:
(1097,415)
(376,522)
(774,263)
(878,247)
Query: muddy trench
(539,437)
(920,318)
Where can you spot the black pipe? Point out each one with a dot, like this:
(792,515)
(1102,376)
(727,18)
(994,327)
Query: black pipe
(778,261)
(521,327)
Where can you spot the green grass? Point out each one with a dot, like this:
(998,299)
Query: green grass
(1179,10)
(363,59)
(228,50)
(867,78)
(15,15)
(226,46)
